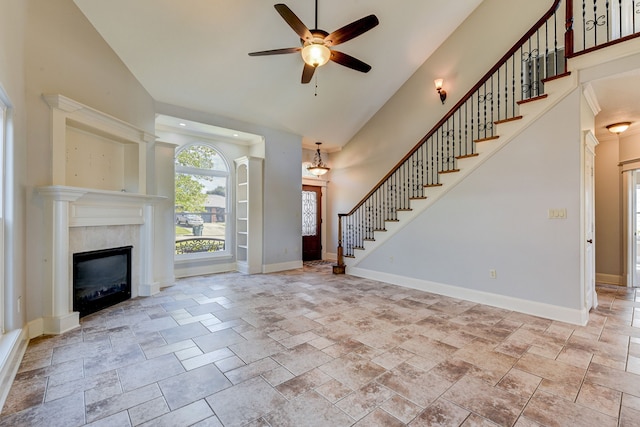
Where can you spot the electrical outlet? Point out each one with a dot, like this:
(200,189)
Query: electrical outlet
(557,213)
(493,274)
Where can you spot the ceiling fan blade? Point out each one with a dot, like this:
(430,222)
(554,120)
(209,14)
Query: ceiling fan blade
(352,30)
(276,51)
(349,61)
(294,22)
(307,73)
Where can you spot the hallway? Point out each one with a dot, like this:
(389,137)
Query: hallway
(307,348)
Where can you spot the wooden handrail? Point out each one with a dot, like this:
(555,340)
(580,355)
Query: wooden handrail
(464,99)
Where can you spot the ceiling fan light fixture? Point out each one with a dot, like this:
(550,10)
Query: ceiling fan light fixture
(618,127)
(315,54)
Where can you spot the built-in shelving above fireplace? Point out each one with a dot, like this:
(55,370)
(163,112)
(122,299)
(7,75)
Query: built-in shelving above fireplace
(92,149)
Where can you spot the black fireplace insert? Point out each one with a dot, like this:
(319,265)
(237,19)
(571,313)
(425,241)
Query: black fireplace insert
(101,279)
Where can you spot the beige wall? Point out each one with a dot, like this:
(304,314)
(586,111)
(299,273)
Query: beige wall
(610,204)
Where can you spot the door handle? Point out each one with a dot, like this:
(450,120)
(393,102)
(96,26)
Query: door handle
(590,241)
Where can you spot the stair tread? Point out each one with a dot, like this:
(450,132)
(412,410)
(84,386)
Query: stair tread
(466,156)
(489,138)
(450,171)
(535,98)
(510,119)
(432,185)
(418,198)
(556,77)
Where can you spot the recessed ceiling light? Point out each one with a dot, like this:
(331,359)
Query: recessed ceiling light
(236,135)
(182,124)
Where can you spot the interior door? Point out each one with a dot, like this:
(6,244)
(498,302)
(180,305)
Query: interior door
(311,223)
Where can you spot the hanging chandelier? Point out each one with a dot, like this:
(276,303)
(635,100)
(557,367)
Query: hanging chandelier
(318,167)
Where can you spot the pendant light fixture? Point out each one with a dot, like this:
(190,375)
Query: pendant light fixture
(318,167)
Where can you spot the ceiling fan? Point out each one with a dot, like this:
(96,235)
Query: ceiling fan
(316,44)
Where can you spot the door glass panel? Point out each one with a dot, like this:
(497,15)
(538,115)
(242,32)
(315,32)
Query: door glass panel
(309,213)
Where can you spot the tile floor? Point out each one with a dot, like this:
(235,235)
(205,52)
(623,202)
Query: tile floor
(307,348)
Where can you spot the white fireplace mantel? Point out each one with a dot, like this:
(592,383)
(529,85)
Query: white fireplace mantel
(69,207)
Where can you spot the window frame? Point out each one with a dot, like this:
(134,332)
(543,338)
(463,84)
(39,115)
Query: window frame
(4,118)
(228,214)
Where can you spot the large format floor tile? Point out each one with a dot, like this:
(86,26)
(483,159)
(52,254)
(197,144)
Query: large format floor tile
(307,348)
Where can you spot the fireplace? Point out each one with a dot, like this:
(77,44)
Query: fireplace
(101,279)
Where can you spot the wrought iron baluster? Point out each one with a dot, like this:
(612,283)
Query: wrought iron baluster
(497,90)
(539,73)
(513,83)
(584,24)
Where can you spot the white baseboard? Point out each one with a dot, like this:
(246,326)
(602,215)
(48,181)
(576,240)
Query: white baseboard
(283,266)
(35,328)
(548,311)
(12,347)
(185,270)
(147,290)
(329,256)
(610,279)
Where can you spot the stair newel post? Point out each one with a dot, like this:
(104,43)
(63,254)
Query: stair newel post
(340,267)
(568,34)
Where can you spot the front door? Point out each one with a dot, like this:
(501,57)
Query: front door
(311,222)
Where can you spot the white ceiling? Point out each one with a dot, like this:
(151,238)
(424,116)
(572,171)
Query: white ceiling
(194,54)
(618,97)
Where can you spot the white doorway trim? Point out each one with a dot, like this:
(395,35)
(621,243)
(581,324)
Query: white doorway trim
(587,251)
(630,181)
(318,182)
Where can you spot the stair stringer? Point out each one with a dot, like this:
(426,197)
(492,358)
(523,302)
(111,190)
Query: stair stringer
(555,90)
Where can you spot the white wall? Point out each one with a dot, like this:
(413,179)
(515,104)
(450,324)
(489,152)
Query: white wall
(466,56)
(497,218)
(282,222)
(65,55)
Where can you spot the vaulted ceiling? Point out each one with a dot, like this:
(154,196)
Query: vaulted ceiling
(194,54)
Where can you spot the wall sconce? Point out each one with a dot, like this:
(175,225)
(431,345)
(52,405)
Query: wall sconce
(618,127)
(318,167)
(441,92)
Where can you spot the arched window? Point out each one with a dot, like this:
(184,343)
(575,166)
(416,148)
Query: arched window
(202,193)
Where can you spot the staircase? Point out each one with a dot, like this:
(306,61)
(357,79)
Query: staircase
(527,82)
(504,132)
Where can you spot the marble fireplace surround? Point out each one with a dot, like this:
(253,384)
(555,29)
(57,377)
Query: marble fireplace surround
(80,220)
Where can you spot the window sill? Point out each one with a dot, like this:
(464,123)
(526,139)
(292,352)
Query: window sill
(204,256)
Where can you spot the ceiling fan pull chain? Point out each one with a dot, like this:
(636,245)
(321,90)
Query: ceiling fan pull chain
(316,93)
